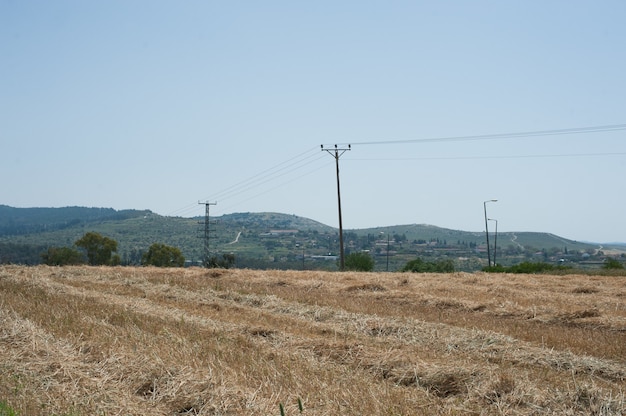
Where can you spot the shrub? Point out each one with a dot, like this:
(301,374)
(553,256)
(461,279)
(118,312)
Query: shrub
(612,264)
(62,256)
(161,255)
(99,249)
(225,261)
(525,268)
(420,266)
(359,262)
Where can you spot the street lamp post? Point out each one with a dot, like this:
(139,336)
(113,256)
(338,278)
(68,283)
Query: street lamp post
(495,243)
(487,231)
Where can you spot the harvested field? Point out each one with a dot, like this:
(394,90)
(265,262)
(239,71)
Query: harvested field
(136,341)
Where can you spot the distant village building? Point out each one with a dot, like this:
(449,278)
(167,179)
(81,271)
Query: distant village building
(278,233)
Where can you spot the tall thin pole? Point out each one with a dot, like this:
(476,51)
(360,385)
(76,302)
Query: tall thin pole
(207,232)
(336,153)
(495,243)
(487,231)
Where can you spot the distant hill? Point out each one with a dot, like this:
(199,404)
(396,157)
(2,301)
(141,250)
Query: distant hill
(261,240)
(26,232)
(521,239)
(266,220)
(20,221)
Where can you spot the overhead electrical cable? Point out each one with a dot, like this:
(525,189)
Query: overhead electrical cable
(269,171)
(526,134)
(263,180)
(226,208)
(312,155)
(293,163)
(494,157)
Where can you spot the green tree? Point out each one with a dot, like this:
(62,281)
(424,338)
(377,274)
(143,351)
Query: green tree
(399,238)
(526,267)
(359,262)
(99,249)
(225,262)
(62,256)
(420,266)
(612,264)
(161,255)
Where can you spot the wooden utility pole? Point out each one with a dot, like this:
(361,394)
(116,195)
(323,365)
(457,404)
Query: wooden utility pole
(336,153)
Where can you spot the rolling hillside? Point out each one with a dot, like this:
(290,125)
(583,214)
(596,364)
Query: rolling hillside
(260,240)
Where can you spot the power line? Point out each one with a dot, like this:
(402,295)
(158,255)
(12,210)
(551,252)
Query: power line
(266,173)
(309,157)
(536,133)
(494,157)
(226,208)
(290,165)
(260,180)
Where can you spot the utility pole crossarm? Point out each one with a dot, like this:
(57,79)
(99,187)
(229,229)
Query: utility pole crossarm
(334,151)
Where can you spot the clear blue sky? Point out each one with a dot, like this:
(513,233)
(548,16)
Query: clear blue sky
(159,104)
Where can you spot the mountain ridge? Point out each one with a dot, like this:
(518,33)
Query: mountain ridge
(262,238)
(47,216)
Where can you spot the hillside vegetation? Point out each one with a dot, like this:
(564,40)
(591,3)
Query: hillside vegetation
(123,340)
(20,221)
(276,241)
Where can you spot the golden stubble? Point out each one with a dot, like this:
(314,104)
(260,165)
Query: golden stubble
(102,340)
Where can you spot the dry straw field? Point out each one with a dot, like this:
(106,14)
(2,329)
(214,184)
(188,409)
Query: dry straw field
(137,341)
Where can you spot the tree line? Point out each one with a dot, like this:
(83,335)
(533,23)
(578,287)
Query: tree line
(97,250)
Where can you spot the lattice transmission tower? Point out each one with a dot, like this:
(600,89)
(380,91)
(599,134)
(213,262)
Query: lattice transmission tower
(206,255)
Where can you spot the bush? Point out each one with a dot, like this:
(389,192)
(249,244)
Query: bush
(420,266)
(161,255)
(525,268)
(62,256)
(99,249)
(359,262)
(612,264)
(225,261)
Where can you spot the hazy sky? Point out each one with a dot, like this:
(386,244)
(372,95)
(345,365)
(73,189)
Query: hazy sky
(161,104)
